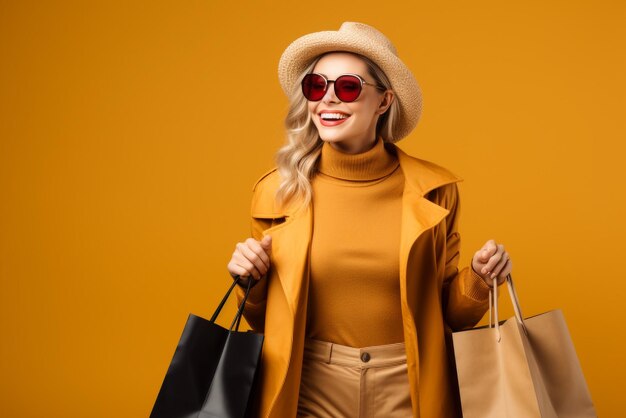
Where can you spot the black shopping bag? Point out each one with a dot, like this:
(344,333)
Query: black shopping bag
(213,370)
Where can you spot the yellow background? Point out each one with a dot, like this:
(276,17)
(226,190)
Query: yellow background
(131,134)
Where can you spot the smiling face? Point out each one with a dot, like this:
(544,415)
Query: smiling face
(355,131)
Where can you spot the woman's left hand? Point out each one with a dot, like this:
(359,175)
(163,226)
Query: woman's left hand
(492,261)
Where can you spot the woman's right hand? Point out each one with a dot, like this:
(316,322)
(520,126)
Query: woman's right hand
(251,258)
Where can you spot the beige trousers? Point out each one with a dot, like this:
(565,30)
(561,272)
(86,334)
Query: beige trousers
(340,381)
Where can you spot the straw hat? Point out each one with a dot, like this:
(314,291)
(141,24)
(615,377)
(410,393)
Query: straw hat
(365,40)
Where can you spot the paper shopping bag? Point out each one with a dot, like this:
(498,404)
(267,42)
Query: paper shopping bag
(520,367)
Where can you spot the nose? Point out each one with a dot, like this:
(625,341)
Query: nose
(330,93)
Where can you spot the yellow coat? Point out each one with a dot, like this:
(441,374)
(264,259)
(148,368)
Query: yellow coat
(436,298)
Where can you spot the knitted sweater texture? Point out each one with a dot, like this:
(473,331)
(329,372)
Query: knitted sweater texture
(354,290)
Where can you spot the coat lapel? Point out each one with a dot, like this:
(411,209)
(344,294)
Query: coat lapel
(419,213)
(290,244)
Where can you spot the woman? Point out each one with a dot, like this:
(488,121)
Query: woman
(349,330)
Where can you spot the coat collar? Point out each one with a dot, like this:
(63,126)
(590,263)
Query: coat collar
(291,238)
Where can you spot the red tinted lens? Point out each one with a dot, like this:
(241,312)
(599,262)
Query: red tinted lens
(347,88)
(313,87)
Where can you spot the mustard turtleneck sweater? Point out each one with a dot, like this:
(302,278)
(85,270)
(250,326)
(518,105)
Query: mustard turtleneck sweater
(354,289)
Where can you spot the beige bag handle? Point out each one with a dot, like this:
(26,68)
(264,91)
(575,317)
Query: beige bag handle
(493,302)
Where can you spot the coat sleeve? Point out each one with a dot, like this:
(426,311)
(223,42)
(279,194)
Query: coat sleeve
(465,294)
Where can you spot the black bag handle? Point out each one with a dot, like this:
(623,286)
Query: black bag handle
(239,313)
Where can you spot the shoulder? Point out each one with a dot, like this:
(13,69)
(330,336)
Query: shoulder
(268,179)
(264,195)
(426,176)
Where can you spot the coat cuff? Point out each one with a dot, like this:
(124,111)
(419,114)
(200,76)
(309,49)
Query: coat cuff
(476,287)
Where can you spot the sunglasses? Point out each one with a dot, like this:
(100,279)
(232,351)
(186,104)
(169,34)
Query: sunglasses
(347,87)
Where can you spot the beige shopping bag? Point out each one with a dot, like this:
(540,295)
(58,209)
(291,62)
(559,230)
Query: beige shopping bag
(520,367)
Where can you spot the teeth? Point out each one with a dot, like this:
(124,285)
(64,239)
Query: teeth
(335,116)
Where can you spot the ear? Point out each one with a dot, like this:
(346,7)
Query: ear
(388,98)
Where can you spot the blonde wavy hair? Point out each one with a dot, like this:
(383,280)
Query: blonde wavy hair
(297,160)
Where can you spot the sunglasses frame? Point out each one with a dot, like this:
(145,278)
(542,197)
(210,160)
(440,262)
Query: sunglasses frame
(327,81)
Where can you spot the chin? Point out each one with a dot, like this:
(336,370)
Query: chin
(331,136)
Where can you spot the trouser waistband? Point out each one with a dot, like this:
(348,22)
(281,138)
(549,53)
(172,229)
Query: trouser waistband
(372,356)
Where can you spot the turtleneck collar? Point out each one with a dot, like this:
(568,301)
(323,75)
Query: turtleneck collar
(372,164)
